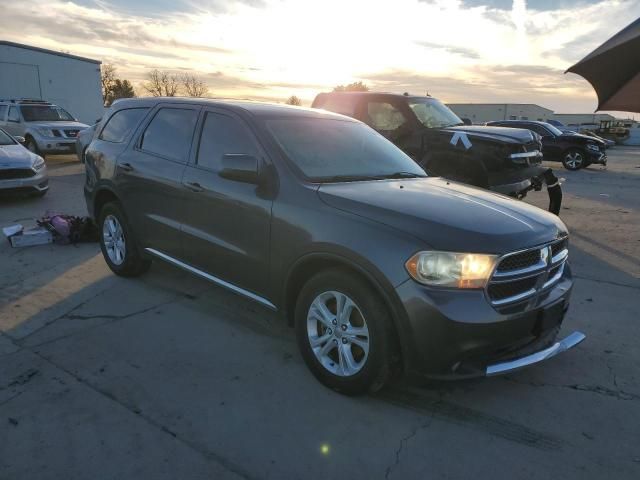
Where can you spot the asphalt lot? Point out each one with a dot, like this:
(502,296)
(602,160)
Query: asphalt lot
(169,377)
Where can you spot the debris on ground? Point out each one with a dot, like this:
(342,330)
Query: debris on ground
(53,227)
(19,237)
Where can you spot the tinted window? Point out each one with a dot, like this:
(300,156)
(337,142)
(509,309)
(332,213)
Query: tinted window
(384,116)
(344,104)
(222,134)
(13,115)
(335,150)
(121,124)
(45,113)
(3,112)
(170,132)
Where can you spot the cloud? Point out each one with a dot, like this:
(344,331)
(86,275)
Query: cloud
(462,51)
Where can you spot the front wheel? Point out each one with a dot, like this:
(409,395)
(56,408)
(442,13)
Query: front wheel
(573,159)
(31,145)
(344,333)
(118,244)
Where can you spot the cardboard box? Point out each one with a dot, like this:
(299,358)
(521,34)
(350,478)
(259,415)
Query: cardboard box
(31,236)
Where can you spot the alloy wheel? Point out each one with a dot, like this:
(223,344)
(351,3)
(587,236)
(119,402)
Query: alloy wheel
(114,241)
(338,334)
(574,160)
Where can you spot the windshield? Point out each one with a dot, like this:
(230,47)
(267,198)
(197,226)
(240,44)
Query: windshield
(553,129)
(331,150)
(45,113)
(5,138)
(433,114)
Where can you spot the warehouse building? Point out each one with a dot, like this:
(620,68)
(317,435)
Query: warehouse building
(487,112)
(69,81)
(582,118)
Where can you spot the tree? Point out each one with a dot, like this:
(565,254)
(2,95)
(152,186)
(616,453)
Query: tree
(107,78)
(194,86)
(112,86)
(293,100)
(120,89)
(161,83)
(352,87)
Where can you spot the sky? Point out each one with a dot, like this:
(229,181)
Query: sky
(480,51)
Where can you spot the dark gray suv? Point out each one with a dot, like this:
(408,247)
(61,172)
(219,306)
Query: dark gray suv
(380,268)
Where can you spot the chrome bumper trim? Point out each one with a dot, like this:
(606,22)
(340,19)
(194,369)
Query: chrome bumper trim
(567,343)
(534,153)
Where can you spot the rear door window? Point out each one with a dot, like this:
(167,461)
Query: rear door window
(121,124)
(222,134)
(170,133)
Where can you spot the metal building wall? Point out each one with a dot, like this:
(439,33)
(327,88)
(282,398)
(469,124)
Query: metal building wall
(72,83)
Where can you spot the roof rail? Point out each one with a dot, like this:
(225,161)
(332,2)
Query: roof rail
(24,100)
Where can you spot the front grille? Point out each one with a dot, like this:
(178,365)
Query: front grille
(14,173)
(557,247)
(519,261)
(500,291)
(520,276)
(71,133)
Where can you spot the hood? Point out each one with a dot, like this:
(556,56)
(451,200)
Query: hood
(502,134)
(15,156)
(447,215)
(584,138)
(59,125)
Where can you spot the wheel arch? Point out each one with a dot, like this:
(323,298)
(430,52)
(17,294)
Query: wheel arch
(102,196)
(311,264)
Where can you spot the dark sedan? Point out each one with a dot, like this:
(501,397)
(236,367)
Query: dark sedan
(574,150)
(380,268)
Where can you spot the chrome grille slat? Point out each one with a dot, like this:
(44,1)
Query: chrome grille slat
(530,280)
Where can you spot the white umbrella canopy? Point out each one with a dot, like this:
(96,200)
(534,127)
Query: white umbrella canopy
(613,69)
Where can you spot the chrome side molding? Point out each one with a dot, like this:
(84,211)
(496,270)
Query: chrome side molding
(505,367)
(212,278)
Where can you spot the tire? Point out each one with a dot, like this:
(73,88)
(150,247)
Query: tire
(118,243)
(31,145)
(574,159)
(368,325)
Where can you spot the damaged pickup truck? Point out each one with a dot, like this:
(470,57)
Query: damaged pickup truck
(504,160)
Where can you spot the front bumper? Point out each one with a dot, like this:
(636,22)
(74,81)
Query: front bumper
(53,145)
(597,157)
(37,183)
(458,334)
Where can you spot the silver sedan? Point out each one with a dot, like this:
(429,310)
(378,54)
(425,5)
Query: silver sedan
(21,171)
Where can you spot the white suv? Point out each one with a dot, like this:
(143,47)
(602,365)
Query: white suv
(47,128)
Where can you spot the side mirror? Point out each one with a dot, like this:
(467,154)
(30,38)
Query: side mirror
(240,168)
(466,121)
(20,139)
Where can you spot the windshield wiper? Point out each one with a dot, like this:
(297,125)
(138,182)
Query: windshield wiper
(361,178)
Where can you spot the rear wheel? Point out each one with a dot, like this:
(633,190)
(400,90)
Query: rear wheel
(118,244)
(574,159)
(344,333)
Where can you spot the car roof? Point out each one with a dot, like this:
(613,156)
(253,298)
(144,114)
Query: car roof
(375,94)
(536,122)
(261,109)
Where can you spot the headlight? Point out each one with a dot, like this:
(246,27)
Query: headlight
(593,146)
(447,269)
(45,132)
(38,163)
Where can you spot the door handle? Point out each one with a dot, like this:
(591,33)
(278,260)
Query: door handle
(127,167)
(194,186)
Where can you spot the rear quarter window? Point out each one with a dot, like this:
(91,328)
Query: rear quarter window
(121,124)
(342,104)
